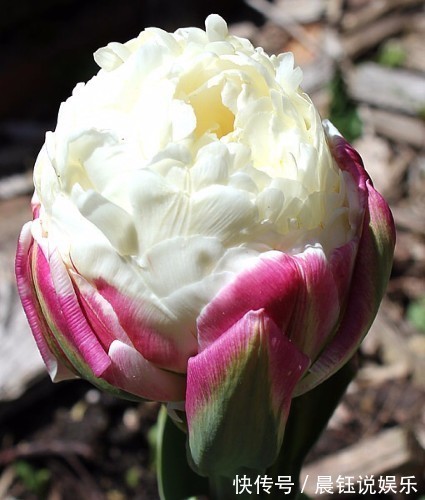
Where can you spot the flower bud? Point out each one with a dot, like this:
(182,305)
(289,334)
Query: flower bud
(200,237)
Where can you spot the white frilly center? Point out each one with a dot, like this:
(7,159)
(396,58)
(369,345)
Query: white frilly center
(186,158)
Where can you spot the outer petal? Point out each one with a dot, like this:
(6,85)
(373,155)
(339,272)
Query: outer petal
(158,344)
(63,312)
(272,284)
(239,391)
(134,374)
(99,313)
(129,370)
(301,293)
(70,314)
(41,331)
(371,273)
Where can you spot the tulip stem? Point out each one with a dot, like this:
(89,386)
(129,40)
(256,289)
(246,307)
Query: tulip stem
(226,488)
(308,417)
(176,479)
(220,487)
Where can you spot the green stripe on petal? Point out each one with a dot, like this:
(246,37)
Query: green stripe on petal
(238,397)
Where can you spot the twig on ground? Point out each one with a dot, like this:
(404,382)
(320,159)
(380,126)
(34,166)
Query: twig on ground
(35,449)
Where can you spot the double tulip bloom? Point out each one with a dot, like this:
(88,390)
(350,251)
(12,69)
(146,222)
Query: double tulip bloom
(201,239)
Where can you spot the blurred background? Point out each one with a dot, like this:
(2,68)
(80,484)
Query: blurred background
(364,66)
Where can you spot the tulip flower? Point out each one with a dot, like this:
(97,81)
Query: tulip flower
(201,239)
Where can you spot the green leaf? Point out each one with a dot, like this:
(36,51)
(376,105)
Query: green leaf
(343,110)
(392,54)
(35,479)
(176,480)
(416,314)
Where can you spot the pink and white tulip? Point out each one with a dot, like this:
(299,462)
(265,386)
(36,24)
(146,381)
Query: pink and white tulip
(201,239)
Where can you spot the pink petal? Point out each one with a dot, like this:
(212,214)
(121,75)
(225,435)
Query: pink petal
(272,284)
(70,318)
(370,275)
(99,313)
(302,294)
(150,331)
(134,374)
(32,309)
(318,309)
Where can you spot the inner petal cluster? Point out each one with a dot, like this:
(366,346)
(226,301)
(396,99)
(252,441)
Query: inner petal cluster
(186,157)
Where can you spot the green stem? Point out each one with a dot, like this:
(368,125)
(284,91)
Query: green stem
(221,487)
(176,480)
(307,419)
(240,487)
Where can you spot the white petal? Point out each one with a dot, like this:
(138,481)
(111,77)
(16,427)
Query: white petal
(111,56)
(222,212)
(216,28)
(176,262)
(211,166)
(114,222)
(160,212)
(134,374)
(270,203)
